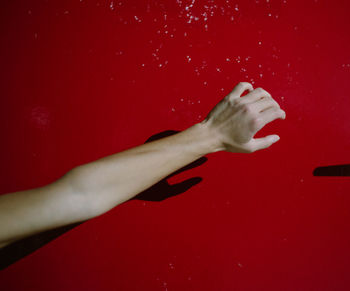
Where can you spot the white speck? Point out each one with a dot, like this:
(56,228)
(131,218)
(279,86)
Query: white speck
(160,65)
(185,34)
(199,101)
(259,65)
(111,5)
(282,97)
(171,265)
(232,18)
(261,75)
(137,19)
(205,83)
(206,27)
(243,69)
(269,14)
(236,7)
(239,265)
(182,100)
(173,109)
(188,58)
(259,42)
(222,89)
(228,60)
(218,69)
(288,65)
(142,65)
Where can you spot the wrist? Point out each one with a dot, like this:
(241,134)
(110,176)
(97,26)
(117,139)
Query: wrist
(207,138)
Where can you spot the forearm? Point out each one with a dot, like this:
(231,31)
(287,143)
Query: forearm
(114,179)
(92,189)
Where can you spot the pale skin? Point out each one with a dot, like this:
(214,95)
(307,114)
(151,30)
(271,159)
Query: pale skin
(92,189)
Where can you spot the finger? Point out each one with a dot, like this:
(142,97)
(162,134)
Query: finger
(255,95)
(240,89)
(264,104)
(270,115)
(263,142)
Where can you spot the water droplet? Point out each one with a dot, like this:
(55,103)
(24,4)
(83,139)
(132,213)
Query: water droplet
(111,5)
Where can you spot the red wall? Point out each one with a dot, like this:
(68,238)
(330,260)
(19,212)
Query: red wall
(84,79)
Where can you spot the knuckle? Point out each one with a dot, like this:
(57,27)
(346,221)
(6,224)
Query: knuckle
(236,101)
(276,104)
(247,108)
(281,112)
(244,85)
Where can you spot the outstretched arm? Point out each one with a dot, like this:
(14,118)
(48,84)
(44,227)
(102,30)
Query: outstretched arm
(92,189)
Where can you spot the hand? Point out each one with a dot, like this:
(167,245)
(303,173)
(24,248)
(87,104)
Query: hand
(235,119)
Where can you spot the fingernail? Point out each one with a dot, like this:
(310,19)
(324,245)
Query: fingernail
(275,138)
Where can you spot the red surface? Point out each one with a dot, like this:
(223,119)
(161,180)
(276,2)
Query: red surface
(85,79)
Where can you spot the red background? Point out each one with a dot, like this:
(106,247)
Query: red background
(84,79)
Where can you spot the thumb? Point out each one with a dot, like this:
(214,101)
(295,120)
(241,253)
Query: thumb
(264,142)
